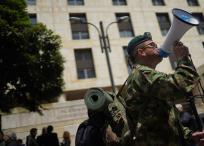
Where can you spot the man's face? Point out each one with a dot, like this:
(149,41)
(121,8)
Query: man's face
(34,133)
(148,50)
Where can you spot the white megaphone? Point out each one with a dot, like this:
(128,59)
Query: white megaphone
(182,22)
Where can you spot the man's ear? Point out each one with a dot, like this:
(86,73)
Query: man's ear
(141,52)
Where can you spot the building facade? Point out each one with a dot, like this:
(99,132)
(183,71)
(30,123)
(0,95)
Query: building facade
(80,22)
(86,65)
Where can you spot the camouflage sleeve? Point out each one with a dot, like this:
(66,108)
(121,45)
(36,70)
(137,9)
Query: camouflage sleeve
(163,85)
(187,133)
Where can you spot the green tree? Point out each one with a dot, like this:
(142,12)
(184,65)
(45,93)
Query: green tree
(30,62)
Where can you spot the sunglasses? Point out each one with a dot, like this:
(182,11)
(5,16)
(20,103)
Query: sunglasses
(149,45)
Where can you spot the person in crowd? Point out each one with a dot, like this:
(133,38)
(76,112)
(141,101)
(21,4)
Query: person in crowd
(2,142)
(41,138)
(10,138)
(20,142)
(66,139)
(149,94)
(51,138)
(31,138)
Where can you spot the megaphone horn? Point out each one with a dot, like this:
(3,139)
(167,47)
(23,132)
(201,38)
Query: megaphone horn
(182,22)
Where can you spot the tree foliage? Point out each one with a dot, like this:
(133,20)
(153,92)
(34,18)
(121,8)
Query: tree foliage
(30,62)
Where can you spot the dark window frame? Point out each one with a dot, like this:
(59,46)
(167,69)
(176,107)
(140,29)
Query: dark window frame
(164,25)
(126,59)
(31,2)
(75,2)
(125,28)
(193,3)
(85,67)
(33,18)
(158,2)
(79,31)
(119,2)
(200,27)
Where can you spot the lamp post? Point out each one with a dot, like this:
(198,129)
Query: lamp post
(104,41)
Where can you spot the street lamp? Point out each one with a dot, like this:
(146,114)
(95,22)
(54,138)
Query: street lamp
(104,41)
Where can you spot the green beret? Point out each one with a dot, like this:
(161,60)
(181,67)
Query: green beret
(138,40)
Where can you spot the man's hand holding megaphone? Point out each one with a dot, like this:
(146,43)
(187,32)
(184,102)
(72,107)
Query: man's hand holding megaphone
(180,50)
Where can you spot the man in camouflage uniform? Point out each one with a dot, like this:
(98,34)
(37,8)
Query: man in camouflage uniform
(148,92)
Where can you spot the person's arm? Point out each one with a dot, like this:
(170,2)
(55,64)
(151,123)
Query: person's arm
(151,82)
(182,81)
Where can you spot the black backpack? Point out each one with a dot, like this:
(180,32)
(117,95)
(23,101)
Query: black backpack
(83,135)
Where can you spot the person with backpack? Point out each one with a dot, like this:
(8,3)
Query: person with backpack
(31,139)
(149,94)
(66,139)
(91,132)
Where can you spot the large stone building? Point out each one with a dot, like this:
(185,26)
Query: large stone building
(85,64)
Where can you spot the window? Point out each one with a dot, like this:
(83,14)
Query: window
(31,2)
(192,2)
(200,18)
(203,44)
(126,58)
(158,2)
(119,2)
(75,2)
(79,30)
(84,63)
(33,18)
(164,22)
(125,27)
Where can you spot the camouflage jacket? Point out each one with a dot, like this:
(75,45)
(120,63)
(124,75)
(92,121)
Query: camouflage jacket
(147,96)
